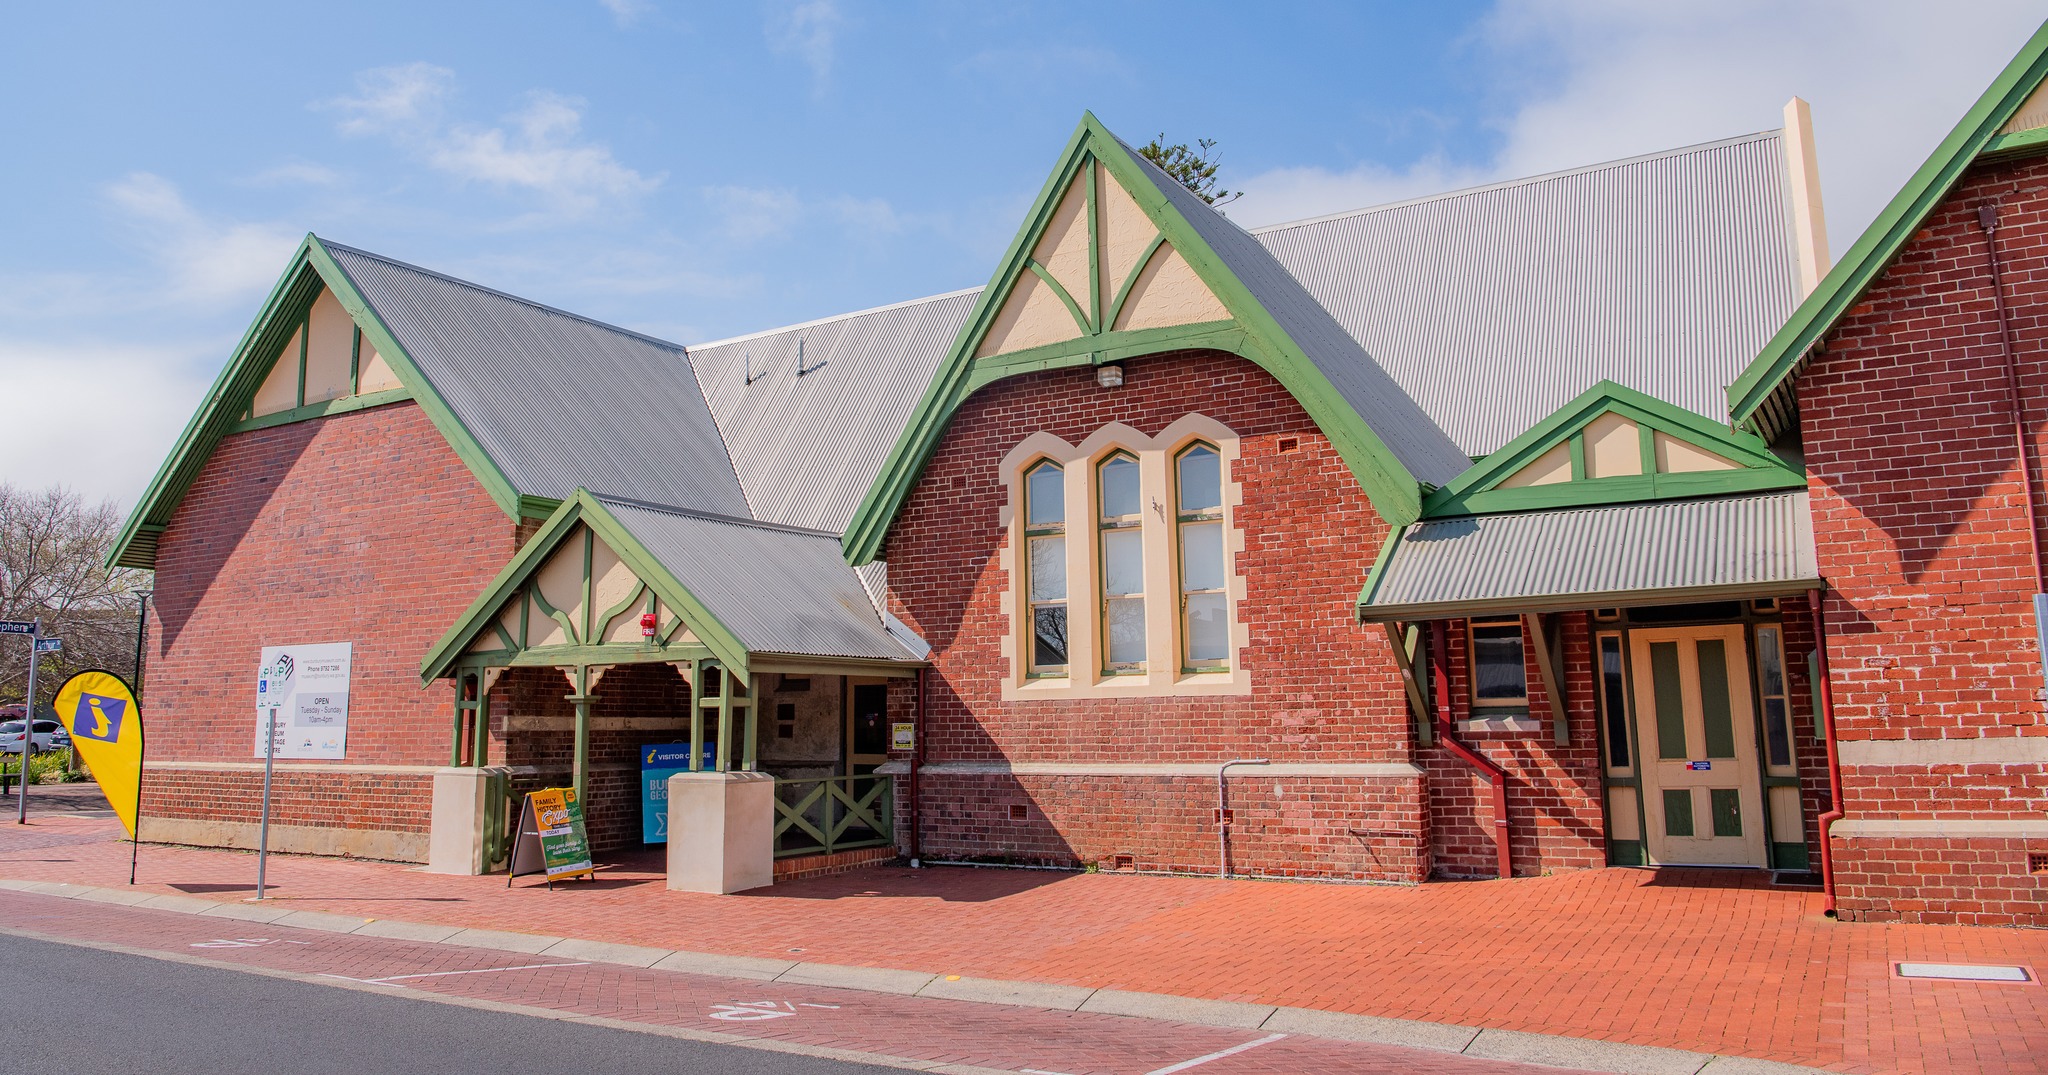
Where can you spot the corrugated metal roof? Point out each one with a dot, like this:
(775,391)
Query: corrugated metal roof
(557,401)
(808,447)
(1495,306)
(780,589)
(1583,557)
(1385,403)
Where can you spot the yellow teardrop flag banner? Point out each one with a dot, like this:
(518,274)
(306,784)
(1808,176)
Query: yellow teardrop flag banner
(106,729)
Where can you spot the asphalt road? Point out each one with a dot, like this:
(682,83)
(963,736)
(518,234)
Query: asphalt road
(79,1011)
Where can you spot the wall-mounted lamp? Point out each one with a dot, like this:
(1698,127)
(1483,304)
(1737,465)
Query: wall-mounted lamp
(1109,376)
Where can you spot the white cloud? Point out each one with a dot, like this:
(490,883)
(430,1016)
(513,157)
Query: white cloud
(809,31)
(105,414)
(1582,81)
(202,258)
(627,12)
(301,173)
(538,149)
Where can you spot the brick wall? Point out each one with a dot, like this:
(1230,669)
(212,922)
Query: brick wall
(363,527)
(1920,520)
(1324,689)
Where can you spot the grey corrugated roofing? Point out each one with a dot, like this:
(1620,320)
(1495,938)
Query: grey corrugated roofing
(1386,405)
(781,589)
(808,447)
(1626,554)
(1495,306)
(557,401)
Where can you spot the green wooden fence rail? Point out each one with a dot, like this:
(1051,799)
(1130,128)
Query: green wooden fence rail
(823,815)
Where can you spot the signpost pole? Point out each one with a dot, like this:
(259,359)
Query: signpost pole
(263,829)
(28,722)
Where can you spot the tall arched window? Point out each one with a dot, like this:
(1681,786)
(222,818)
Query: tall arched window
(1198,513)
(1045,531)
(1122,500)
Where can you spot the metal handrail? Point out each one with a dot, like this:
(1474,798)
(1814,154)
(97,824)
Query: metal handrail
(824,815)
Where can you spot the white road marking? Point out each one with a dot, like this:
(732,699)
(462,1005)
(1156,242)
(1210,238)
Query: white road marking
(1217,1055)
(396,978)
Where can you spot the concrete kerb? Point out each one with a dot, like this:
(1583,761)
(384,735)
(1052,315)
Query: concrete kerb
(1549,1049)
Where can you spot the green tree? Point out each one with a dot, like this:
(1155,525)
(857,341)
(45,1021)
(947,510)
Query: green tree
(1194,168)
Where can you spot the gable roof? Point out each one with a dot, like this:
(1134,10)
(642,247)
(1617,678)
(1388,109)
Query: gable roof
(1480,490)
(557,401)
(742,587)
(1759,398)
(535,401)
(1497,305)
(1389,444)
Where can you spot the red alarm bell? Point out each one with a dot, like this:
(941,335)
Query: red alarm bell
(647,625)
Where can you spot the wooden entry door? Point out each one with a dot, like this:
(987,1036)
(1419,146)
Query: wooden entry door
(1702,792)
(867,725)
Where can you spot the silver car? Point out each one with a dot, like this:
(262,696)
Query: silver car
(49,735)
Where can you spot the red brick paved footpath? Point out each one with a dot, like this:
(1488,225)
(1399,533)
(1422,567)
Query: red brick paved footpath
(1709,961)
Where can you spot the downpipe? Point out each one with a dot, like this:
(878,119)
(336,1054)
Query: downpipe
(1835,811)
(1223,813)
(916,763)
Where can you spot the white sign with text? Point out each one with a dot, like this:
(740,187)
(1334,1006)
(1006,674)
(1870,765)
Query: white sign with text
(305,690)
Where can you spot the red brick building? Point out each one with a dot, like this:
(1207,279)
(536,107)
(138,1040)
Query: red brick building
(1420,541)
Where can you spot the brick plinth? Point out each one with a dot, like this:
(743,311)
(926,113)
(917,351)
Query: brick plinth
(1983,881)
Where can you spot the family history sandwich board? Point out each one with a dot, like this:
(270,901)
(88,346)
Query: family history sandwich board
(551,838)
(302,701)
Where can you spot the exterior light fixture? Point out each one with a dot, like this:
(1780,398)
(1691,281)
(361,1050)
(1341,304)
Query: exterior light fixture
(1109,376)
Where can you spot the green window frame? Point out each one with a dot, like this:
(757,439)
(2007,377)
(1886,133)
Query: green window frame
(1201,547)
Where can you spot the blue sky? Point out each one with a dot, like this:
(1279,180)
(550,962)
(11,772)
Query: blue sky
(699,170)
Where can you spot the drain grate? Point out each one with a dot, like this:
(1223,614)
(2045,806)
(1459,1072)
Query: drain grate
(1962,972)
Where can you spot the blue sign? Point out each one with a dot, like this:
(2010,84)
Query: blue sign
(49,645)
(1698,765)
(17,627)
(98,717)
(658,762)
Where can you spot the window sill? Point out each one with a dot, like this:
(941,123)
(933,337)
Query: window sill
(1501,724)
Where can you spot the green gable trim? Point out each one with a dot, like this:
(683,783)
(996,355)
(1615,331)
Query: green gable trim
(332,407)
(1252,334)
(481,618)
(1886,236)
(220,411)
(1477,491)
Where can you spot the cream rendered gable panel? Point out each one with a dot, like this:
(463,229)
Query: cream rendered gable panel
(1032,316)
(280,390)
(1675,456)
(1550,468)
(330,337)
(1169,293)
(1063,248)
(560,583)
(2033,113)
(612,582)
(487,640)
(373,374)
(1614,447)
(1124,233)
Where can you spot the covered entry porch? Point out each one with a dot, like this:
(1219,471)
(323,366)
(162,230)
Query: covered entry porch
(1655,653)
(717,686)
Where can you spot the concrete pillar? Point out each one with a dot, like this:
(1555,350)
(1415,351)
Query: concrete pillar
(721,831)
(462,811)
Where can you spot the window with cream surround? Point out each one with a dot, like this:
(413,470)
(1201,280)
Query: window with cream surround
(1159,567)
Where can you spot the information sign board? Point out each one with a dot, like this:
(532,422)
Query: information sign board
(658,762)
(306,689)
(17,627)
(552,839)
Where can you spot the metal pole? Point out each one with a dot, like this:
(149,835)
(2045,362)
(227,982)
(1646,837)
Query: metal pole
(28,723)
(141,628)
(263,828)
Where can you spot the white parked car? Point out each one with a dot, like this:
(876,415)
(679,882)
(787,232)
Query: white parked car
(49,735)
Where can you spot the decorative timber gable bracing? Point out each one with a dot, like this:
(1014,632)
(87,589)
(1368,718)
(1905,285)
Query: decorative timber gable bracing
(1116,261)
